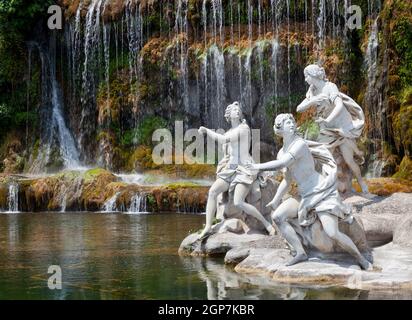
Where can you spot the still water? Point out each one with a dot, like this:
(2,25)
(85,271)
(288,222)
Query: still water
(121,256)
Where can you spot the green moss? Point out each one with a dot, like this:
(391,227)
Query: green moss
(180,185)
(92,174)
(405,169)
(151,200)
(310,130)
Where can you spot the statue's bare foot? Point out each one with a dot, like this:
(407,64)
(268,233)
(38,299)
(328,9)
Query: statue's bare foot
(271,230)
(365,265)
(207,231)
(298,258)
(292,251)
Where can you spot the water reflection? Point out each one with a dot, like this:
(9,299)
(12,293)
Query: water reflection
(120,256)
(223,283)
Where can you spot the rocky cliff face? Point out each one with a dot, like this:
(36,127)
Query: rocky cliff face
(125,68)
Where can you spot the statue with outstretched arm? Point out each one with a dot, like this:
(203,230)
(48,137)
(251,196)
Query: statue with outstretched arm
(340,118)
(318,192)
(232,174)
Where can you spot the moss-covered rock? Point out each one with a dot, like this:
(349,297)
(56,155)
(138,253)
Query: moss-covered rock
(405,169)
(386,186)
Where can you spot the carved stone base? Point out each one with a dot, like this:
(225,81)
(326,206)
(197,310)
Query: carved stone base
(226,210)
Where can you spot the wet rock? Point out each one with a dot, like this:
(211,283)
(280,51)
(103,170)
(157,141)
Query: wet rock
(392,268)
(220,243)
(381,215)
(235,256)
(403,232)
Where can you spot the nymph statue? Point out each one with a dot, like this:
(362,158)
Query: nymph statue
(232,175)
(317,187)
(340,118)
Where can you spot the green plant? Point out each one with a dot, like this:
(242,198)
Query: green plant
(146,127)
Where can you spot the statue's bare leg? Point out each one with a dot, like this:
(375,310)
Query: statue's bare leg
(241,191)
(347,153)
(289,210)
(217,188)
(331,227)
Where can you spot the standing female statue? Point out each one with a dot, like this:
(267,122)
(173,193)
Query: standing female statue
(232,175)
(340,118)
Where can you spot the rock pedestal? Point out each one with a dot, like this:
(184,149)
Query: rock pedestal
(377,221)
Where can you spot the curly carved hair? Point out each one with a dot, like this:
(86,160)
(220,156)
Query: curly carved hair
(281,118)
(315,71)
(234,106)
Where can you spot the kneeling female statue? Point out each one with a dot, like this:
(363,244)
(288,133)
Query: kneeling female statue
(312,167)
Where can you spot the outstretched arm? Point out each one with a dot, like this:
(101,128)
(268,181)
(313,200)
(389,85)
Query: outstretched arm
(286,160)
(214,135)
(304,105)
(235,134)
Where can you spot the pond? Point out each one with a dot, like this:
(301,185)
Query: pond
(121,256)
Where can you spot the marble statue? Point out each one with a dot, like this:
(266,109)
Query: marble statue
(340,119)
(312,167)
(232,174)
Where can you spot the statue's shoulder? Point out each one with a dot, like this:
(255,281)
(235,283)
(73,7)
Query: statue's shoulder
(244,127)
(331,88)
(298,147)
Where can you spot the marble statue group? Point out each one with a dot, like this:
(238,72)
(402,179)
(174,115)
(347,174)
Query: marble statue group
(312,165)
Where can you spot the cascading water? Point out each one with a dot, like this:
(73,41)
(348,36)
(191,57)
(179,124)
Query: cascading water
(110,204)
(373,95)
(260,59)
(13,198)
(138,204)
(91,42)
(56,133)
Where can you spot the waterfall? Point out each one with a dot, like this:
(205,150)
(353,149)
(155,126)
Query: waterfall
(375,168)
(247,92)
(372,96)
(274,58)
(68,148)
(182,36)
(321,22)
(134,25)
(138,204)
(260,70)
(288,23)
(90,75)
(106,50)
(110,204)
(54,124)
(218,95)
(13,198)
